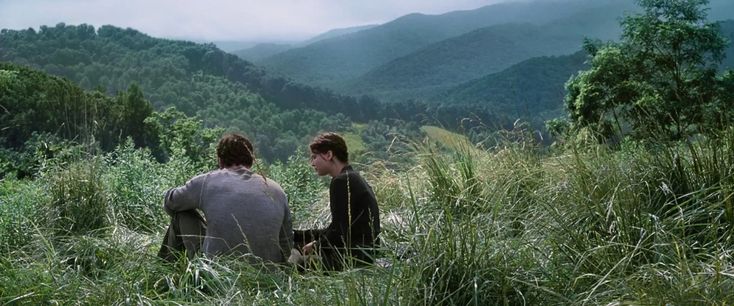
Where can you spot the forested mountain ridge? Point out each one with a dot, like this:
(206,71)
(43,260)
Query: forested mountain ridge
(447,63)
(329,62)
(220,88)
(261,51)
(112,57)
(461,59)
(336,33)
(433,67)
(532,89)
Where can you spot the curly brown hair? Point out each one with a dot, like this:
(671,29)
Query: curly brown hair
(235,149)
(326,142)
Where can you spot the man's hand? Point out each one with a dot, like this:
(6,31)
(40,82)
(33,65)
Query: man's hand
(309,248)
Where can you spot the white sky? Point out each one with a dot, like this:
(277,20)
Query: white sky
(220,20)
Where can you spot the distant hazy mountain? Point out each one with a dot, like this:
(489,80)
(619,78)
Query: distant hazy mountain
(260,51)
(532,88)
(450,62)
(535,88)
(335,33)
(488,50)
(334,60)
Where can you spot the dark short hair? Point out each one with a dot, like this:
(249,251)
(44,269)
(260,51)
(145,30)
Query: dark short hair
(330,142)
(235,149)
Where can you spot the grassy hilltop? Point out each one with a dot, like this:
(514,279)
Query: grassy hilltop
(509,225)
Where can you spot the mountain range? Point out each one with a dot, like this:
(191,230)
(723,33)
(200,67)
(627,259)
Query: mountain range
(332,61)
(427,56)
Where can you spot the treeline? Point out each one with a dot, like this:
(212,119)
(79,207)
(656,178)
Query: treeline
(46,117)
(43,116)
(36,105)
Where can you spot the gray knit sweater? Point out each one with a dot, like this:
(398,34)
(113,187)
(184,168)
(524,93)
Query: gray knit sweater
(245,213)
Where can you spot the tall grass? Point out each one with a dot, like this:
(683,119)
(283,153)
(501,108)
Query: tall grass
(136,182)
(644,224)
(79,199)
(20,204)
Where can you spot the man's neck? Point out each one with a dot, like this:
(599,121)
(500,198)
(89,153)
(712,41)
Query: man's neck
(337,169)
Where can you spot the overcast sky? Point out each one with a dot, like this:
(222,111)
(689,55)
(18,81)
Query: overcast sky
(217,20)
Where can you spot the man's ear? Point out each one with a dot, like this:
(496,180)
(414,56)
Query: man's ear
(329,155)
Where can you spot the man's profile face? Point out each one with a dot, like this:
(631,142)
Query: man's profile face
(321,162)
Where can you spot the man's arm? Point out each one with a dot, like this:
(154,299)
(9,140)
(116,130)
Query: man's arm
(185,197)
(337,231)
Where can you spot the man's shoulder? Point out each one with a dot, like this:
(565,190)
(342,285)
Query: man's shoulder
(350,176)
(201,177)
(268,183)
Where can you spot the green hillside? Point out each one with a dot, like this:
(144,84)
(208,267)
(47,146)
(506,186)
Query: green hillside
(447,139)
(197,79)
(469,56)
(330,62)
(47,117)
(532,89)
(219,88)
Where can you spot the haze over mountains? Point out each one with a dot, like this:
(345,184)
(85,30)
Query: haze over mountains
(331,61)
(261,51)
(429,57)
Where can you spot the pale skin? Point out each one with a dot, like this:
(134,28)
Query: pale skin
(324,164)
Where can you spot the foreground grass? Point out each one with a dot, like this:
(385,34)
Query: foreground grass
(510,226)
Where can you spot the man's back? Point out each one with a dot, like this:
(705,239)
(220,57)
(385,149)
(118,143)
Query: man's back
(245,213)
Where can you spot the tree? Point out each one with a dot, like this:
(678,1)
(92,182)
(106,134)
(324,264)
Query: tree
(179,134)
(135,109)
(659,80)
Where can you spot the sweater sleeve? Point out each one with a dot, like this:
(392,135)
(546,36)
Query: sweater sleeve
(336,233)
(286,233)
(185,197)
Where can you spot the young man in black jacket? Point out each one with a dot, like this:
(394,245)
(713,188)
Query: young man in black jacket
(352,235)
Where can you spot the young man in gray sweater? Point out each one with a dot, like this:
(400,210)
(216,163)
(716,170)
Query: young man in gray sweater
(229,211)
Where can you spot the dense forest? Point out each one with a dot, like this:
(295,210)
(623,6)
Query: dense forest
(220,89)
(531,89)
